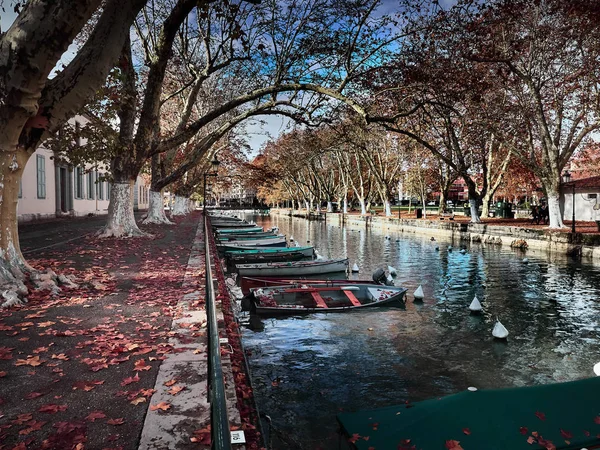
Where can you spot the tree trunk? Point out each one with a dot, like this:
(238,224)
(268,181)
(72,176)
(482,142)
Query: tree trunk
(13,266)
(474,210)
(388,208)
(329,206)
(345,210)
(363,206)
(485,208)
(121,221)
(181,206)
(554,214)
(156,209)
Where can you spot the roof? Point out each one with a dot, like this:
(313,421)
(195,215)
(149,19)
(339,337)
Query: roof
(585,183)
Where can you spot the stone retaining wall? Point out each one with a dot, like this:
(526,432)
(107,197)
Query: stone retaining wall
(586,245)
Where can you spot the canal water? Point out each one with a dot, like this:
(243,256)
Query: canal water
(307,369)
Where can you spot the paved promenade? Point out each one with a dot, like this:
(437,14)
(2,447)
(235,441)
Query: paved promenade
(118,363)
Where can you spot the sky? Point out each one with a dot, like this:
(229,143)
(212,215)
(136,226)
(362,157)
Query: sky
(258,131)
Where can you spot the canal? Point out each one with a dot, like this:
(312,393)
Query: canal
(307,369)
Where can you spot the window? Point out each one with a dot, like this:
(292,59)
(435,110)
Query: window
(91,185)
(592,196)
(78,182)
(41,176)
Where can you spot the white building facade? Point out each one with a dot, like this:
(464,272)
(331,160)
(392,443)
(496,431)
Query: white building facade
(54,188)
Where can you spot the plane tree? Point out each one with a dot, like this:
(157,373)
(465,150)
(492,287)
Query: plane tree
(36,99)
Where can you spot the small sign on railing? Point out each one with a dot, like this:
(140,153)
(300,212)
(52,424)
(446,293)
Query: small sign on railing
(223,341)
(238,437)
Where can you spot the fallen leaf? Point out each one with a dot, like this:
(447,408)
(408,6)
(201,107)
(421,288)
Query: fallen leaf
(170,382)
(138,400)
(466,431)
(52,408)
(61,357)
(33,361)
(453,445)
(91,417)
(162,405)
(176,390)
(33,395)
(566,434)
(355,437)
(540,415)
(531,440)
(119,421)
(130,380)
(523,431)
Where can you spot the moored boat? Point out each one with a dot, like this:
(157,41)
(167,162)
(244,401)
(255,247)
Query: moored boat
(311,298)
(295,268)
(233,258)
(279,241)
(243,237)
(249,283)
(235,249)
(250,235)
(552,416)
(225,231)
(231,224)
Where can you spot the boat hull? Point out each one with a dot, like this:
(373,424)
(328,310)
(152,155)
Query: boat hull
(294,269)
(308,299)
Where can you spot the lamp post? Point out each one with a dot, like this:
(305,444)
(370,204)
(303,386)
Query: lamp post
(567,180)
(214,166)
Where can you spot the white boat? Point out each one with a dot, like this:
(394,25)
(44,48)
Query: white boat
(278,241)
(293,268)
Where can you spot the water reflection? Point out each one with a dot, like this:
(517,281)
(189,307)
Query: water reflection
(308,369)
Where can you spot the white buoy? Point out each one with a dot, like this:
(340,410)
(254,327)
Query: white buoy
(418,294)
(475,306)
(525,260)
(597,369)
(355,268)
(463,251)
(499,331)
(296,244)
(389,279)
(291,238)
(472,389)
(392,271)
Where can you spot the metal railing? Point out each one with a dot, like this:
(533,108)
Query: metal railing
(220,434)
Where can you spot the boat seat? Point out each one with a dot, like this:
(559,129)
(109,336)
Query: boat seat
(352,298)
(319,300)
(376,294)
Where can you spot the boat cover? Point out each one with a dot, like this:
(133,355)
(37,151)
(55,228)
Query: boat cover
(552,416)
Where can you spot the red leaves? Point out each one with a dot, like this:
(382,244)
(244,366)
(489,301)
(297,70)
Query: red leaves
(597,420)
(33,361)
(164,406)
(176,390)
(466,431)
(52,408)
(32,425)
(119,421)
(140,364)
(6,353)
(130,380)
(566,434)
(453,445)
(540,415)
(87,385)
(202,436)
(406,445)
(523,431)
(91,417)
(354,438)
(33,395)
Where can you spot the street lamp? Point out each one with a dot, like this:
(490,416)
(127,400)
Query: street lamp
(214,164)
(567,180)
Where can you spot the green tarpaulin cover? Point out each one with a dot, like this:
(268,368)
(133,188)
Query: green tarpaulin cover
(561,416)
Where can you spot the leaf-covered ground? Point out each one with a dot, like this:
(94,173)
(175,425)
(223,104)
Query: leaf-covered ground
(78,370)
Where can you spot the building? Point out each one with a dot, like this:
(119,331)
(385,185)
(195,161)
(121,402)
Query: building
(585,195)
(54,188)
